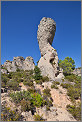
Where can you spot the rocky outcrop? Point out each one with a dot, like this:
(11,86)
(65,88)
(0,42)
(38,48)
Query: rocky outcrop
(77,71)
(48,62)
(19,63)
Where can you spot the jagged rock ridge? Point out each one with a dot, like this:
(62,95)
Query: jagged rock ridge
(20,63)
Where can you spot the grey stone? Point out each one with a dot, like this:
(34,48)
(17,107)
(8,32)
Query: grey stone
(19,63)
(48,62)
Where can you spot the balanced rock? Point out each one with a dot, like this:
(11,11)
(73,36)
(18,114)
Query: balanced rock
(48,62)
(19,63)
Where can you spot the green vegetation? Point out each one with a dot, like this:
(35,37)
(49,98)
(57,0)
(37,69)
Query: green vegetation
(29,99)
(37,72)
(54,84)
(13,85)
(8,115)
(13,79)
(73,78)
(4,80)
(25,105)
(18,96)
(47,98)
(42,80)
(47,92)
(38,77)
(38,118)
(74,91)
(28,82)
(36,99)
(65,85)
(75,111)
(67,65)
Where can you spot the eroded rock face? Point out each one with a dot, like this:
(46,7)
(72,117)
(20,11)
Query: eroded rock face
(19,63)
(49,58)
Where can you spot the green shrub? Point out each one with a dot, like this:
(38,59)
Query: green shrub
(18,70)
(45,79)
(65,85)
(32,90)
(37,72)
(36,99)
(25,105)
(31,72)
(57,82)
(8,115)
(4,80)
(75,111)
(13,85)
(18,96)
(54,86)
(47,108)
(28,82)
(38,118)
(73,78)
(62,79)
(74,93)
(47,92)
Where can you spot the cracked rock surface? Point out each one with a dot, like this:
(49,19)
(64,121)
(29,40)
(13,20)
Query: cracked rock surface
(48,62)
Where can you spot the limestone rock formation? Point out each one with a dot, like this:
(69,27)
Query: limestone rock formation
(49,58)
(19,63)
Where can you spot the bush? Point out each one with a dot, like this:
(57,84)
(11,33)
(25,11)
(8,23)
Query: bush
(74,93)
(28,82)
(18,70)
(54,84)
(32,90)
(8,115)
(4,80)
(38,81)
(75,111)
(65,85)
(37,72)
(57,82)
(36,99)
(25,105)
(38,118)
(13,85)
(45,79)
(47,92)
(73,78)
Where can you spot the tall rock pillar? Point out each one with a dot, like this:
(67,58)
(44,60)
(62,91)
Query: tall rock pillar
(48,62)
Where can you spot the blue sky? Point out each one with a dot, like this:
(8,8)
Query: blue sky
(19,24)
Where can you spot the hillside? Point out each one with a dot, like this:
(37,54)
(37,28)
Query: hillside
(50,99)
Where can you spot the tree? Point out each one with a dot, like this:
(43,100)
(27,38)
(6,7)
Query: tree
(68,65)
(37,72)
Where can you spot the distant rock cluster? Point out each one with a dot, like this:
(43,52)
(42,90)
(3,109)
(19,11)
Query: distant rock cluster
(48,62)
(18,63)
